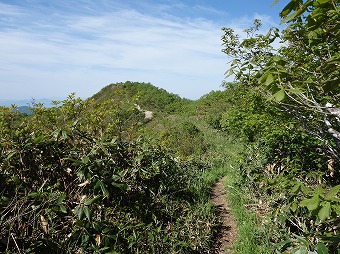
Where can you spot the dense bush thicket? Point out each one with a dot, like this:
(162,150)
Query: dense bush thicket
(79,178)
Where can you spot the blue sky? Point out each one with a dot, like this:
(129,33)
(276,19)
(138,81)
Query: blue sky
(50,49)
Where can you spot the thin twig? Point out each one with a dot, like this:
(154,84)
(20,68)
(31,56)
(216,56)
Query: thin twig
(15,243)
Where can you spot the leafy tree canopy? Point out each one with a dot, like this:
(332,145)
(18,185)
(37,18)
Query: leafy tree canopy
(302,73)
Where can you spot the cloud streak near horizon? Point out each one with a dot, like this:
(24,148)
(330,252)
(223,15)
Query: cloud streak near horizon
(51,49)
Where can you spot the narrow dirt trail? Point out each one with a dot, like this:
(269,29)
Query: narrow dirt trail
(228,231)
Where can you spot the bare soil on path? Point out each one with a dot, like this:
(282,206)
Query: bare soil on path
(228,230)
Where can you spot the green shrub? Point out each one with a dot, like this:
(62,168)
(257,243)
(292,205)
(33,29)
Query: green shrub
(78,177)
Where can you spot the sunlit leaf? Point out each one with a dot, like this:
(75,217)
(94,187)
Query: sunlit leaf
(332,192)
(87,212)
(312,203)
(269,79)
(122,186)
(85,160)
(321,248)
(39,139)
(44,224)
(62,209)
(93,200)
(33,194)
(325,211)
(288,8)
(322,1)
(61,198)
(294,91)
(278,96)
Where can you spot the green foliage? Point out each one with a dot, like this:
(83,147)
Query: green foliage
(292,160)
(146,95)
(212,106)
(302,74)
(252,235)
(184,138)
(78,177)
(283,165)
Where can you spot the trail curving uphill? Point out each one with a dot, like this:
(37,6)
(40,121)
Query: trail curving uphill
(228,230)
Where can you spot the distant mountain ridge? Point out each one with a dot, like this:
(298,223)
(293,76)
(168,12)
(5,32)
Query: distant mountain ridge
(24,110)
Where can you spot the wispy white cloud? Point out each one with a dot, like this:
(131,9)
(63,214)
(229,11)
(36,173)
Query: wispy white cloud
(211,10)
(10,10)
(66,47)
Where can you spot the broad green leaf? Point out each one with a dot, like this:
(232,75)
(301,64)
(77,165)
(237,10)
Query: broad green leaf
(302,240)
(39,139)
(301,250)
(336,209)
(332,192)
(322,1)
(16,180)
(319,191)
(288,8)
(113,140)
(312,203)
(269,80)
(105,230)
(122,186)
(103,188)
(33,194)
(321,248)
(325,211)
(289,17)
(116,178)
(283,245)
(75,162)
(297,13)
(102,249)
(331,85)
(79,223)
(296,188)
(87,212)
(92,201)
(79,210)
(263,78)
(85,160)
(295,91)
(279,95)
(62,209)
(293,207)
(61,198)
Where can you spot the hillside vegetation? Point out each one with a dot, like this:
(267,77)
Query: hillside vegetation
(147,96)
(81,177)
(97,176)
(287,111)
